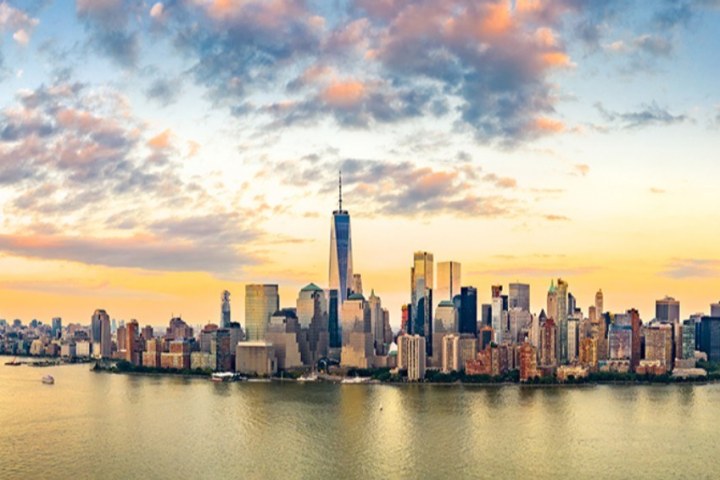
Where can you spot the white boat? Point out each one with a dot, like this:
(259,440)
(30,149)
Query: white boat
(227,377)
(48,380)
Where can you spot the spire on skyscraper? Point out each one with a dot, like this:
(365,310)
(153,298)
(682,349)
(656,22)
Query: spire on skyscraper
(340,190)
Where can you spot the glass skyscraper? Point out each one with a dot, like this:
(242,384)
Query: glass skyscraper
(341,265)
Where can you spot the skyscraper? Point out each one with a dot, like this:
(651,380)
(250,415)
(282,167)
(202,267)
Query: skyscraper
(571,304)
(599,304)
(377,324)
(709,338)
(56,327)
(519,296)
(498,324)
(667,310)
(341,264)
(715,309)
(131,339)
(261,301)
(468,310)
(225,309)
(422,280)
(562,307)
(448,282)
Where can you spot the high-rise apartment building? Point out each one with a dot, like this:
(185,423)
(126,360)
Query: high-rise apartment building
(519,296)
(261,302)
(341,264)
(448,281)
(411,356)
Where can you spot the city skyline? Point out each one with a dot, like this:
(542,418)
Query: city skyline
(174,150)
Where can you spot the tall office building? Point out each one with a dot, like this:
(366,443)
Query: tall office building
(486,314)
(306,303)
(448,281)
(357,336)
(422,280)
(377,323)
(412,356)
(131,342)
(562,320)
(101,334)
(667,310)
(715,309)
(571,304)
(599,304)
(313,318)
(357,284)
(552,302)
(467,314)
(341,264)
(709,338)
(225,309)
(519,296)
(56,327)
(498,312)
(261,302)
(334,319)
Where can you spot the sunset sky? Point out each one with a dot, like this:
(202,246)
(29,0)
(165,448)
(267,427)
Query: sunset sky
(155,154)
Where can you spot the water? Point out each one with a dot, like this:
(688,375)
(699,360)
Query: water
(99,425)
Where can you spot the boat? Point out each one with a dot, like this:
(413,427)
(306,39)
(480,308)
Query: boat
(48,380)
(14,363)
(220,377)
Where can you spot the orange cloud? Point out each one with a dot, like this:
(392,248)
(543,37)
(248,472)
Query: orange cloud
(497,20)
(556,59)
(161,140)
(549,125)
(343,94)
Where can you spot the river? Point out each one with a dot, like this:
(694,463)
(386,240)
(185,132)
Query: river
(101,425)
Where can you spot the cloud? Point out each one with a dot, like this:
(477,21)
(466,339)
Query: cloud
(550,272)
(682,268)
(581,169)
(649,115)
(556,218)
(17,21)
(157,10)
(657,190)
(74,157)
(108,23)
(165,91)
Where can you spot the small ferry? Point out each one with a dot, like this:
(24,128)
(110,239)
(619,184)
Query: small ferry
(48,380)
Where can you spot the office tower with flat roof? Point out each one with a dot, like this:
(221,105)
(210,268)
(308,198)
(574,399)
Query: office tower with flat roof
(467,316)
(448,281)
(357,336)
(225,309)
(96,325)
(486,314)
(519,296)
(131,346)
(341,264)
(715,309)
(261,302)
(688,339)
(667,310)
(709,338)
(422,280)
(659,344)
(498,312)
(571,304)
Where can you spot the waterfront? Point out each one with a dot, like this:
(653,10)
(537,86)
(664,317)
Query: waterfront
(93,425)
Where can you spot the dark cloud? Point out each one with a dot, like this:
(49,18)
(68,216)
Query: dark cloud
(165,91)
(649,115)
(154,253)
(692,268)
(110,29)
